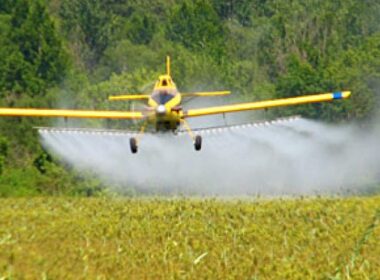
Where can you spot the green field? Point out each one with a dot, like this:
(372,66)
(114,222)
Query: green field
(112,238)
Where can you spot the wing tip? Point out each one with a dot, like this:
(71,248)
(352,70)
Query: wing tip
(341,94)
(346,94)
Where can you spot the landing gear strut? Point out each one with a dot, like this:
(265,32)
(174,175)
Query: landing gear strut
(198,143)
(197,139)
(134,141)
(133,145)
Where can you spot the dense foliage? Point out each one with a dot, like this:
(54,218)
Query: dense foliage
(75,52)
(70,238)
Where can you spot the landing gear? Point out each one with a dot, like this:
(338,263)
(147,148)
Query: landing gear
(198,143)
(196,138)
(134,141)
(133,145)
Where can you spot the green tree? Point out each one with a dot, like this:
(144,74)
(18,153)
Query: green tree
(34,57)
(3,152)
(6,6)
(141,28)
(88,24)
(240,10)
(301,78)
(197,26)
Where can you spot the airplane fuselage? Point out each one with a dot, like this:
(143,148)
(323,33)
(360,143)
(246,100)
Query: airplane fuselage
(165,105)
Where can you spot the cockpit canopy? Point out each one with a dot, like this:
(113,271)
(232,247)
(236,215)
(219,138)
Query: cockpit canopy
(163,96)
(164,90)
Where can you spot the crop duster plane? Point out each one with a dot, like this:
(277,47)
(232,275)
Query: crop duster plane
(165,111)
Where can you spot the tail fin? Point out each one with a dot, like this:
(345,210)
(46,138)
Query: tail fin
(168,65)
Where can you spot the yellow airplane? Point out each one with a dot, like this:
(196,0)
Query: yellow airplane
(165,111)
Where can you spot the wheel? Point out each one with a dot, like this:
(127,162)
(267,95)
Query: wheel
(198,143)
(133,145)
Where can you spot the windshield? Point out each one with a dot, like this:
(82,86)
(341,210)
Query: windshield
(162,97)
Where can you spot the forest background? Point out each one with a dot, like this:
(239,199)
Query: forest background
(74,53)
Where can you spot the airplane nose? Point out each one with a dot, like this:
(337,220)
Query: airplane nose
(161,110)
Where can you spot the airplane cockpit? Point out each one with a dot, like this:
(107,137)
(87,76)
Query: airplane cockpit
(163,96)
(165,90)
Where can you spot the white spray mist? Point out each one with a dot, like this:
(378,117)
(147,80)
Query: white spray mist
(301,157)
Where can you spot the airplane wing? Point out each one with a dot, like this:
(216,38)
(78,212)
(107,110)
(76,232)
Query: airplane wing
(24,112)
(206,93)
(266,104)
(129,97)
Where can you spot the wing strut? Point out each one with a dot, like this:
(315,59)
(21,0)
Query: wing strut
(197,139)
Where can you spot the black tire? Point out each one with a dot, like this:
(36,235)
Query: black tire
(133,145)
(198,143)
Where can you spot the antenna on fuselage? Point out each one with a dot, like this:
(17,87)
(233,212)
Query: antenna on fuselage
(168,65)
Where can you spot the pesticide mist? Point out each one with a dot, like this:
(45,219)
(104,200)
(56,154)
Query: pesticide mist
(299,157)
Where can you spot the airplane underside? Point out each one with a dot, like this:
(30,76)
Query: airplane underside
(167,126)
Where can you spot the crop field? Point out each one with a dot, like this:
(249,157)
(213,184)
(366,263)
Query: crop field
(158,238)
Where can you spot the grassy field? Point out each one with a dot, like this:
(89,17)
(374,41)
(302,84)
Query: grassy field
(98,238)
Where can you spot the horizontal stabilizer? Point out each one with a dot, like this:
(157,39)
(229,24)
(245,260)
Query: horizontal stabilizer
(205,93)
(129,97)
